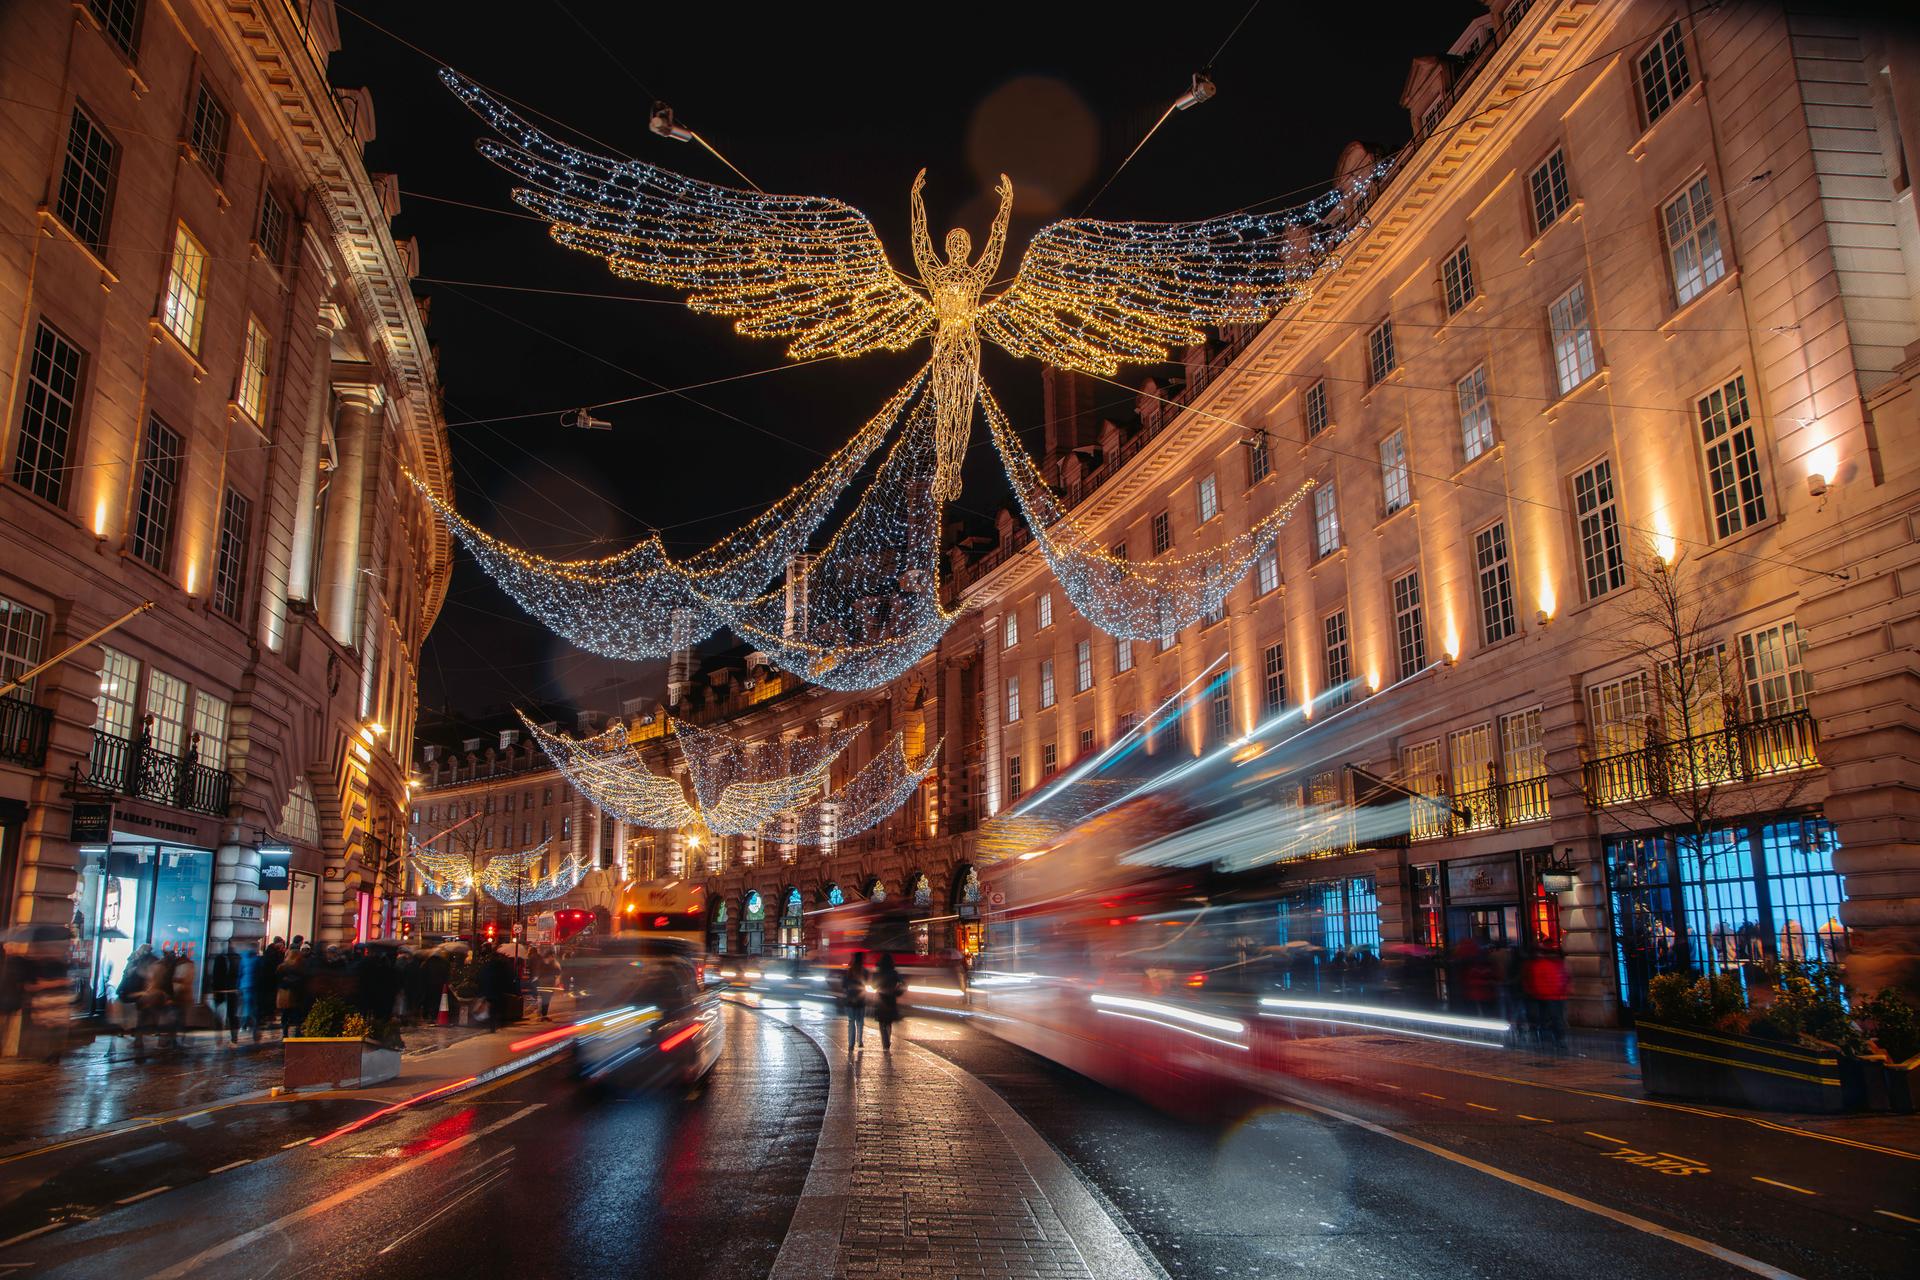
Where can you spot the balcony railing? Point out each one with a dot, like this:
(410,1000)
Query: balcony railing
(1738,753)
(24,729)
(130,767)
(1494,807)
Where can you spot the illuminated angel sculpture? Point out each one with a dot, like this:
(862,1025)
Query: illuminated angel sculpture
(1088,295)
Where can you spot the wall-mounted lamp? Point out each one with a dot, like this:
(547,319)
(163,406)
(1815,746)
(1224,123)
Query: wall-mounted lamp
(1557,875)
(1541,617)
(1816,484)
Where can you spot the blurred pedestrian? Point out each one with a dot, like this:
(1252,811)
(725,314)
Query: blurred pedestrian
(1548,985)
(853,995)
(151,999)
(496,982)
(35,984)
(223,988)
(888,987)
(290,992)
(185,979)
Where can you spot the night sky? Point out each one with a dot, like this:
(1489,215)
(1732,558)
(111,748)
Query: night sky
(842,105)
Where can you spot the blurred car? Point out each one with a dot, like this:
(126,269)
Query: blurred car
(647,1020)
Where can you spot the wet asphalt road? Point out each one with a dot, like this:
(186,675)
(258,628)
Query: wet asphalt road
(530,1178)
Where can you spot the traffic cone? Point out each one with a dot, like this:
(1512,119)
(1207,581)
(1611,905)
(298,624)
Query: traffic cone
(443,1019)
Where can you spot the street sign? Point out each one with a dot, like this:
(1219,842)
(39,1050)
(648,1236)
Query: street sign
(276,869)
(92,824)
(996,899)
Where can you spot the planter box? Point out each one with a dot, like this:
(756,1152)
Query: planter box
(336,1062)
(1746,1071)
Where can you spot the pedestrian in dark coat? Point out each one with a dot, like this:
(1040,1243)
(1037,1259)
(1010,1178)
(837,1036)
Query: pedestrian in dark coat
(853,997)
(266,984)
(496,982)
(223,985)
(888,987)
(433,985)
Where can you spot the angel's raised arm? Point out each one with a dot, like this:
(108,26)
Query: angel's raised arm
(997,238)
(924,259)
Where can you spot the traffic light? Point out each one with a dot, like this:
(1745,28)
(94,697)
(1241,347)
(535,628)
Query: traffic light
(492,931)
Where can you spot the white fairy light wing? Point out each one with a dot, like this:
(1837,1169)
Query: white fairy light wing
(805,268)
(878,790)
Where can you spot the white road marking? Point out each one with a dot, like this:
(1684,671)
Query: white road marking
(143,1195)
(192,1265)
(288,1146)
(223,1168)
(1785,1186)
(55,1226)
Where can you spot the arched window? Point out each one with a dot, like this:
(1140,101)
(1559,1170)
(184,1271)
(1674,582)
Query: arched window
(299,816)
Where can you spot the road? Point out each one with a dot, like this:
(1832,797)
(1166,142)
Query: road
(1366,1165)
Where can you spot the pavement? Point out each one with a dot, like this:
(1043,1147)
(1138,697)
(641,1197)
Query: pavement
(958,1154)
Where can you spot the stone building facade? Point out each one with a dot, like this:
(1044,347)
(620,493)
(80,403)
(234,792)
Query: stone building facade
(1642,289)
(215,374)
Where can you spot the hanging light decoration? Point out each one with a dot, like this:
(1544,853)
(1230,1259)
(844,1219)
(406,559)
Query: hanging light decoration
(454,875)
(521,885)
(881,786)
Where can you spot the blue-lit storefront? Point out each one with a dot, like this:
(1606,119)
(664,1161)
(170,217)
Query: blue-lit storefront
(1754,894)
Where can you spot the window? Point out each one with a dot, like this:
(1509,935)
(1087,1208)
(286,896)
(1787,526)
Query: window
(1693,242)
(119,683)
(1259,458)
(1122,656)
(1617,713)
(1220,711)
(1572,326)
(120,19)
(1086,740)
(1409,624)
(230,561)
(1273,673)
(184,309)
(1471,752)
(1046,610)
(1162,534)
(1010,631)
(546,829)
(159,486)
(1339,658)
(1169,640)
(1083,666)
(23,637)
(1267,569)
(1523,747)
(1380,355)
(1049,760)
(1395,480)
(1326,520)
(1456,280)
(1013,778)
(1046,683)
(167,704)
(1476,414)
(86,181)
(1420,768)
(1315,409)
(1596,515)
(1776,682)
(1511,15)
(1496,583)
(1119,550)
(1209,498)
(208,135)
(251,394)
(1430,118)
(566,828)
(1732,459)
(271,234)
(1214,614)
(1663,73)
(46,419)
(1548,187)
(1013,699)
(210,716)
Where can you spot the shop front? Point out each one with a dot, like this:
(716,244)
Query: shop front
(791,938)
(717,926)
(293,897)
(135,891)
(753,923)
(968,931)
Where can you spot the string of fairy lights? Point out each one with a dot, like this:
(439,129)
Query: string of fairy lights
(511,878)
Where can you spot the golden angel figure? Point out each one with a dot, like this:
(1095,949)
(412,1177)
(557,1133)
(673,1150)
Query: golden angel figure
(1088,295)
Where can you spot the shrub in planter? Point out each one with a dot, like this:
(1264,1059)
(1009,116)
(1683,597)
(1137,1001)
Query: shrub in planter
(328,1017)
(1896,1029)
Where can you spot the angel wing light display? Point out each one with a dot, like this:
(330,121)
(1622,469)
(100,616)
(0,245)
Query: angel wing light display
(809,270)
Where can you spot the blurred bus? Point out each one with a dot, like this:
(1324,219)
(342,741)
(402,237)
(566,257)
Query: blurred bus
(669,908)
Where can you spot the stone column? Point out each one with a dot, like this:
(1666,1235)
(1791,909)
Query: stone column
(357,435)
(297,582)
(239,904)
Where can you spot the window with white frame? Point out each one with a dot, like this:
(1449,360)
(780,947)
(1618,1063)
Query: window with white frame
(1083,666)
(1694,258)
(119,687)
(1456,280)
(1013,699)
(1122,656)
(1430,118)
(1409,624)
(251,394)
(271,234)
(230,556)
(1046,683)
(1494,569)
(1010,630)
(1220,711)
(1664,74)
(183,309)
(47,416)
(85,196)
(208,132)
(1273,677)
(1337,649)
(1547,186)
(1470,751)
(1162,534)
(1208,496)
(1314,409)
(1775,679)
(167,704)
(1086,740)
(1572,327)
(1396,480)
(1523,746)
(1326,520)
(158,494)
(1214,613)
(1267,571)
(1732,458)
(1046,610)
(1617,713)
(1049,760)
(210,717)
(1381,358)
(1169,640)
(23,638)
(1476,413)
(1420,768)
(1596,514)
(1259,458)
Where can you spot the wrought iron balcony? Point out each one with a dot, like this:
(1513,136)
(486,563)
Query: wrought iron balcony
(1741,752)
(131,767)
(1494,807)
(24,729)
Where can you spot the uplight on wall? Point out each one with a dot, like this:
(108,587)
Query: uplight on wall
(1823,464)
(100,519)
(1451,642)
(1665,545)
(1549,601)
